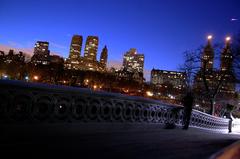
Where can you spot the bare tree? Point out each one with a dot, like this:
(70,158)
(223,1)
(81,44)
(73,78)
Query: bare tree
(203,77)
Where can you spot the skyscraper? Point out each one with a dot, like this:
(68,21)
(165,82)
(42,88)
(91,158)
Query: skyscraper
(91,47)
(103,57)
(133,62)
(226,57)
(41,53)
(228,85)
(208,55)
(75,47)
(74,59)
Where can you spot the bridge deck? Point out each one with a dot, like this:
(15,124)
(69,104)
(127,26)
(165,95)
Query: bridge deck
(109,140)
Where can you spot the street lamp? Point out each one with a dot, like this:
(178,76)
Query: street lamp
(26,78)
(149,93)
(5,76)
(35,77)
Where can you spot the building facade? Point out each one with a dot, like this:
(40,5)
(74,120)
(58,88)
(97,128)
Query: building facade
(226,69)
(103,57)
(75,47)
(41,53)
(226,58)
(208,56)
(133,62)
(168,85)
(159,77)
(91,48)
(74,59)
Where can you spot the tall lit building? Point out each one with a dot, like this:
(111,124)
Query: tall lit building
(75,47)
(41,53)
(208,55)
(103,57)
(228,85)
(206,70)
(74,59)
(226,57)
(133,62)
(91,47)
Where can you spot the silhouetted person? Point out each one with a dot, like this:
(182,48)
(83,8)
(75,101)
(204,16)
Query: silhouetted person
(188,100)
(228,115)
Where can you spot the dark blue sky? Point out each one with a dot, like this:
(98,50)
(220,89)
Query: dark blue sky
(161,29)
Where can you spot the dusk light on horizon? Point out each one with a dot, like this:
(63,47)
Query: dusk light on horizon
(149,26)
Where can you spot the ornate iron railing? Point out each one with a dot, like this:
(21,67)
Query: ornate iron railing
(32,102)
(236,125)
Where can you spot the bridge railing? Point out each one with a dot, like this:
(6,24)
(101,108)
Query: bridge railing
(236,125)
(32,102)
(206,121)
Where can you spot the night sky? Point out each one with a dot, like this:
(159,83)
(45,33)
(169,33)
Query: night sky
(161,29)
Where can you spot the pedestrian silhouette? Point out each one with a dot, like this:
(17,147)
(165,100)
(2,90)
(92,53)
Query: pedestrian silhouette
(229,115)
(188,100)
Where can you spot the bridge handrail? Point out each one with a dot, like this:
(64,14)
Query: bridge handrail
(23,102)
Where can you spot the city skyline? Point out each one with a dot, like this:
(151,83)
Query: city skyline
(151,26)
(120,78)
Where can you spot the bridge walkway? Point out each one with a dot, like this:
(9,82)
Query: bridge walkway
(109,140)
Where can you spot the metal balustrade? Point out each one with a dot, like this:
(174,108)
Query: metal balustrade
(236,125)
(32,102)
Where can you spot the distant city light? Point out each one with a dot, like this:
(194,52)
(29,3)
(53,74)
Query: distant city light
(5,76)
(35,77)
(171,96)
(149,93)
(26,78)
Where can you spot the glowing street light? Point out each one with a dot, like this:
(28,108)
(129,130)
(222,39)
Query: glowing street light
(149,93)
(35,77)
(5,76)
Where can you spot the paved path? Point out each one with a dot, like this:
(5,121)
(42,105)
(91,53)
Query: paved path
(108,140)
